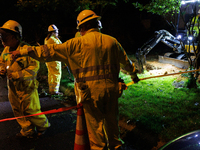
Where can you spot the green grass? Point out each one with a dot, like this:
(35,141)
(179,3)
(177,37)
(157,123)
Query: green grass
(155,104)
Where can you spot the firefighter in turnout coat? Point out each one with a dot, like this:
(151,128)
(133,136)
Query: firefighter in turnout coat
(54,67)
(22,84)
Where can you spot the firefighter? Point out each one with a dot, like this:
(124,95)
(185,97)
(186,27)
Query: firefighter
(54,67)
(22,83)
(95,60)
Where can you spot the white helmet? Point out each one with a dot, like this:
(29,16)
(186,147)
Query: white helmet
(13,26)
(52,27)
(85,16)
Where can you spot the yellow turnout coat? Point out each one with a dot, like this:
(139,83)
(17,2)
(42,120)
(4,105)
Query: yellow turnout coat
(54,69)
(22,91)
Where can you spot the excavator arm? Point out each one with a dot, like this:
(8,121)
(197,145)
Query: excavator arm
(160,36)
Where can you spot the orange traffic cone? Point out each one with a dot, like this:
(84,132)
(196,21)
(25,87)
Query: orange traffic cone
(81,135)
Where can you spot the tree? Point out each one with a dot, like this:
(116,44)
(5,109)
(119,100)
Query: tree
(160,7)
(171,10)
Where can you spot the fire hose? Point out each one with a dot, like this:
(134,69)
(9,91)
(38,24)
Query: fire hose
(130,83)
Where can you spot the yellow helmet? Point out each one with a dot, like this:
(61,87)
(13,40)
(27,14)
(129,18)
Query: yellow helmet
(13,26)
(52,27)
(85,16)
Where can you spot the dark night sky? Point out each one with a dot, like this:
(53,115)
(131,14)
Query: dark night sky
(129,26)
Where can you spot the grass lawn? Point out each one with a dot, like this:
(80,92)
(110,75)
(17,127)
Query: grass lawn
(157,105)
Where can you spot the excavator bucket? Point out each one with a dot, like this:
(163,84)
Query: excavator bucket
(173,61)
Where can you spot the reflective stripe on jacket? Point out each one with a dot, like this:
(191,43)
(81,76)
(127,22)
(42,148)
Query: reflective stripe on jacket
(24,70)
(91,50)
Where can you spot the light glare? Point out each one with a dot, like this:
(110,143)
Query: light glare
(190,38)
(179,37)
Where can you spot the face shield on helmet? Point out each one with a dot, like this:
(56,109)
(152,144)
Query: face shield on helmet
(85,16)
(13,26)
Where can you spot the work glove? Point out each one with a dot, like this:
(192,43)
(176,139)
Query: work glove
(135,78)
(122,86)
(15,54)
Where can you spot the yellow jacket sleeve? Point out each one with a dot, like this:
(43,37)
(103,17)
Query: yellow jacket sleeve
(4,56)
(46,53)
(126,63)
(29,69)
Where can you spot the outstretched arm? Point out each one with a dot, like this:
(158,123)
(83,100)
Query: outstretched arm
(43,53)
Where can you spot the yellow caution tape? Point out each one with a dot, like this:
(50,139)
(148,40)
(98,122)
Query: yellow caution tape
(130,83)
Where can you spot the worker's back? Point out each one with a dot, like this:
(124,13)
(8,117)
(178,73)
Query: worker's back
(97,59)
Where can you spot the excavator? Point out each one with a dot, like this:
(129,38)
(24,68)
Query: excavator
(183,45)
(175,57)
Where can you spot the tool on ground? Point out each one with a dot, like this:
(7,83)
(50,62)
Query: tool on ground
(130,83)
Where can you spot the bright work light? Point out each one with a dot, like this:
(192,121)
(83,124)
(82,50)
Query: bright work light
(179,37)
(189,1)
(190,38)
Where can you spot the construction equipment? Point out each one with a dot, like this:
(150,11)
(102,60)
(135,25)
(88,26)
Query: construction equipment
(177,55)
(180,46)
(168,39)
